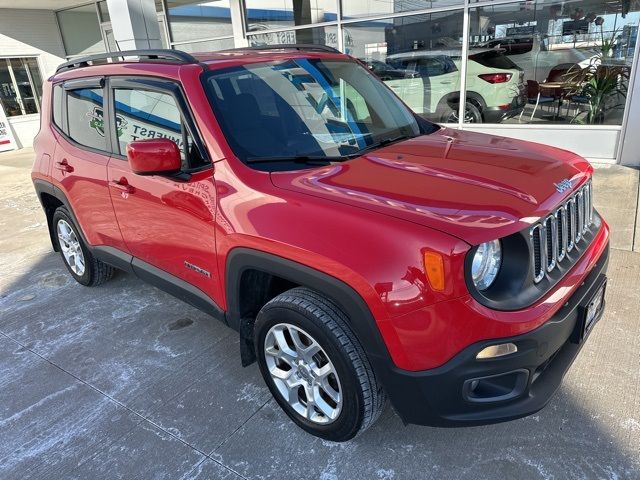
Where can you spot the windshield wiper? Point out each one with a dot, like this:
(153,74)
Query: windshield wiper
(306,159)
(326,160)
(381,143)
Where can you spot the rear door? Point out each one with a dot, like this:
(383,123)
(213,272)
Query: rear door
(168,222)
(79,167)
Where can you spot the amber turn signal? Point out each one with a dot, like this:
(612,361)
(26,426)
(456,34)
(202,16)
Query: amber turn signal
(434,268)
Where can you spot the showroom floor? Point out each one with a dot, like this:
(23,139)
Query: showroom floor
(123,381)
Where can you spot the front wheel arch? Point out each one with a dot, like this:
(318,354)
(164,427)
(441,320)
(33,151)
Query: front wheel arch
(242,260)
(451,101)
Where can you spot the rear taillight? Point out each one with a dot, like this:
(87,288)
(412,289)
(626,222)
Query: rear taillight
(496,77)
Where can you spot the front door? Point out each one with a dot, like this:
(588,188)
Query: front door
(166,221)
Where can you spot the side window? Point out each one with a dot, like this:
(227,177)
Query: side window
(85,115)
(142,114)
(56,106)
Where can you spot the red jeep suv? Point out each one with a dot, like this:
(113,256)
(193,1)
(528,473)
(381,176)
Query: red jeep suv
(360,251)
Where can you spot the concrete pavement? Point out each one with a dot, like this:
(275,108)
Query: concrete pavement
(124,381)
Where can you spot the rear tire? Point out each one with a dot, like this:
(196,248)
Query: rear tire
(81,264)
(473,114)
(321,360)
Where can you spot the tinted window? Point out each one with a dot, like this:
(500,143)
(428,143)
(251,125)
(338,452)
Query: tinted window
(494,60)
(143,114)
(56,104)
(86,117)
(306,107)
(431,66)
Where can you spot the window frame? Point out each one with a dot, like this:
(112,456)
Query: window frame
(154,84)
(79,84)
(63,110)
(36,96)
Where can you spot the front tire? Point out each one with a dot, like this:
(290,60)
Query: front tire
(315,367)
(81,264)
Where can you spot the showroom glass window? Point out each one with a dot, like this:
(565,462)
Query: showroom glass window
(356,9)
(20,86)
(278,14)
(190,20)
(327,35)
(565,62)
(419,57)
(80,29)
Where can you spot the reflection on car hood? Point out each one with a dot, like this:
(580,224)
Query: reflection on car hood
(476,187)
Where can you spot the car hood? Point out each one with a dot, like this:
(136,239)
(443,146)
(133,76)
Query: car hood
(474,186)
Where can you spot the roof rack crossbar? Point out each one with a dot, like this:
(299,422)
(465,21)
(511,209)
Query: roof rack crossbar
(290,46)
(156,54)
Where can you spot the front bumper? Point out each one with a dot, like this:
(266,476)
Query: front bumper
(440,397)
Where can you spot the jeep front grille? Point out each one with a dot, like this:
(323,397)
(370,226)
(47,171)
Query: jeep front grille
(557,235)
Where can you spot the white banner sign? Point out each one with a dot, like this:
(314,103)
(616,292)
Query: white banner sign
(7,141)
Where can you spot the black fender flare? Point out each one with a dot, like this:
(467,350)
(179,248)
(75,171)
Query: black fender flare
(361,320)
(45,187)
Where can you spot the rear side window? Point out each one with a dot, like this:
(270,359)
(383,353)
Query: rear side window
(56,104)
(428,66)
(85,116)
(494,60)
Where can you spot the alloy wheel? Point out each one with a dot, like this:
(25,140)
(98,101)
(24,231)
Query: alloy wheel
(303,373)
(71,248)
(469,116)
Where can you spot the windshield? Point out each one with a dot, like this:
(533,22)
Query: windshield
(307,110)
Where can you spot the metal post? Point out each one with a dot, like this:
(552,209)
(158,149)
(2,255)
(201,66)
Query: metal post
(238,20)
(628,147)
(463,65)
(135,24)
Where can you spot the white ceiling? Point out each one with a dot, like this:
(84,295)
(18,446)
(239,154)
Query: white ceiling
(41,4)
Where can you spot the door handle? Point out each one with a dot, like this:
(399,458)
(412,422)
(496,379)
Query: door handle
(121,185)
(63,166)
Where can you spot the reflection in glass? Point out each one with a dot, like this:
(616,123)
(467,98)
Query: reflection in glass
(23,83)
(362,8)
(207,45)
(317,35)
(8,95)
(20,86)
(575,56)
(270,14)
(417,56)
(305,111)
(81,30)
(190,20)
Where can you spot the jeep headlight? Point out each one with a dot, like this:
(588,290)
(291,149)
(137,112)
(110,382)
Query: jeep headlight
(486,264)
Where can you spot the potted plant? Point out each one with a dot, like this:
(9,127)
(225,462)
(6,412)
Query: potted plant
(602,87)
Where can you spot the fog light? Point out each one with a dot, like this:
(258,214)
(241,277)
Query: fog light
(499,350)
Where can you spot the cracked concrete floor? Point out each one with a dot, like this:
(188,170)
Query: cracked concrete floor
(123,381)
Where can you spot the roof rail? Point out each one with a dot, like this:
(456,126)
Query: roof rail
(289,46)
(176,56)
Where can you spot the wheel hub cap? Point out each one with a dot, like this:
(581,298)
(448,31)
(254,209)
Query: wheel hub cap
(70,246)
(303,373)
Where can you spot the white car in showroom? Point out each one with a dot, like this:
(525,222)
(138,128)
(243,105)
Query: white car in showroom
(495,85)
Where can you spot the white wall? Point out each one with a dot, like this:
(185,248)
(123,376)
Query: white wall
(30,33)
(596,144)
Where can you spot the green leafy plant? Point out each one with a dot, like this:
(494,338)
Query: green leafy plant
(601,85)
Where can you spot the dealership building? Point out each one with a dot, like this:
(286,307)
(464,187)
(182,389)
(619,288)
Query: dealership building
(563,73)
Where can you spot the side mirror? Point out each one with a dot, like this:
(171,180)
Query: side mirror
(154,156)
